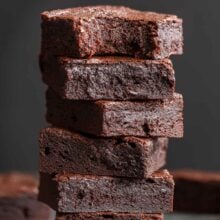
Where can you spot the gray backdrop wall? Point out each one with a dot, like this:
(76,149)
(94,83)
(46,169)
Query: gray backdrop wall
(22,92)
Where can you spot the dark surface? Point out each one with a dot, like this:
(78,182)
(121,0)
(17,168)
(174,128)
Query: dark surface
(109,216)
(109,78)
(80,193)
(62,151)
(197,72)
(85,32)
(153,118)
(197,192)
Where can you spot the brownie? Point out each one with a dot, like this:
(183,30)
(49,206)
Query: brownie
(109,30)
(18,193)
(109,216)
(109,78)
(15,184)
(114,118)
(62,151)
(197,191)
(69,193)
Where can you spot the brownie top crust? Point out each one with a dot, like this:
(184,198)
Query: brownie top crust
(64,133)
(108,216)
(18,184)
(112,60)
(93,12)
(196,175)
(120,105)
(158,174)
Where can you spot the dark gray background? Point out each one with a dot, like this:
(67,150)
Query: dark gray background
(22,92)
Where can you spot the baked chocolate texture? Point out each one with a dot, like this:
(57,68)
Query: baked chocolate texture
(18,194)
(197,191)
(62,151)
(156,118)
(107,30)
(109,78)
(86,193)
(109,216)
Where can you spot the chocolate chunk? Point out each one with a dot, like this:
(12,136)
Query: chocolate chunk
(62,151)
(114,118)
(109,216)
(18,193)
(197,191)
(109,78)
(80,193)
(109,30)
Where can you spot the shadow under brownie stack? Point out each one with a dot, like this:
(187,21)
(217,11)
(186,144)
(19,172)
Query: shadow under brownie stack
(112,107)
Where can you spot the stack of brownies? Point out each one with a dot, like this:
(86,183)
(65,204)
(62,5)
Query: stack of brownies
(112,107)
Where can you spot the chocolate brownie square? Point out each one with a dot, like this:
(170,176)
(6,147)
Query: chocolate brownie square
(109,78)
(155,118)
(62,151)
(110,30)
(18,194)
(197,191)
(72,193)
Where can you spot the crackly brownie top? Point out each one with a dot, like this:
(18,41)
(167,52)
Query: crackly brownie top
(18,184)
(131,104)
(161,174)
(113,59)
(114,12)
